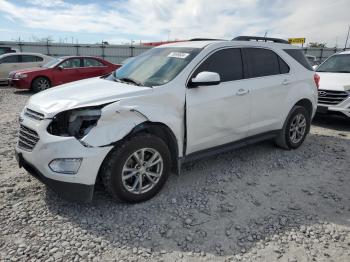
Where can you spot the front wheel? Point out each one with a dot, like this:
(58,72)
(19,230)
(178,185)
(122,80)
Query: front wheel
(295,129)
(137,169)
(40,84)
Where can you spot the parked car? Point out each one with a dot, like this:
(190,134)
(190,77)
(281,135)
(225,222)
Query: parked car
(60,71)
(15,61)
(172,104)
(7,49)
(334,91)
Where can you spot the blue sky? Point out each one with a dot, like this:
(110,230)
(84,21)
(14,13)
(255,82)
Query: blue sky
(120,21)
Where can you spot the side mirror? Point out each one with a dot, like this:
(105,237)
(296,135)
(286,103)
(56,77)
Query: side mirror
(314,67)
(205,78)
(60,68)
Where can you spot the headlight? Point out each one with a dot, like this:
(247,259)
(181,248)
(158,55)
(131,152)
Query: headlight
(20,76)
(76,122)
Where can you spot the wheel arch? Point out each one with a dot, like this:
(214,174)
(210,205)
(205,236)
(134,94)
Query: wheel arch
(307,104)
(36,77)
(165,133)
(160,130)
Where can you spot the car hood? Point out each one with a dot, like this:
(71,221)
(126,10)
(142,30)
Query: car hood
(83,93)
(334,81)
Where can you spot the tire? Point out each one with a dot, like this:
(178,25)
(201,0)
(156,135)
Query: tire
(40,84)
(121,170)
(293,135)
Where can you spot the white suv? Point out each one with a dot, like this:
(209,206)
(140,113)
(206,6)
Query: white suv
(334,91)
(171,104)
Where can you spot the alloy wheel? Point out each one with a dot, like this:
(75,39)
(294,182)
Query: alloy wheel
(43,84)
(142,170)
(297,128)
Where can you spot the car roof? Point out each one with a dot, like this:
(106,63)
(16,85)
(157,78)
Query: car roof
(223,43)
(22,53)
(75,56)
(344,53)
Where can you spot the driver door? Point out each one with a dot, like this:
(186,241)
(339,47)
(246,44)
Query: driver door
(218,114)
(68,71)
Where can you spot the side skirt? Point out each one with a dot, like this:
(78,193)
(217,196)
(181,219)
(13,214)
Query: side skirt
(227,147)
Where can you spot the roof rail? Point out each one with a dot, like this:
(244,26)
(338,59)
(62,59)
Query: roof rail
(260,38)
(205,39)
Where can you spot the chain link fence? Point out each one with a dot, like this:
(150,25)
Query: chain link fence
(322,54)
(113,53)
(118,53)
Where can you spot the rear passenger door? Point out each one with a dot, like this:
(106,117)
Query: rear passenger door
(267,76)
(92,68)
(218,114)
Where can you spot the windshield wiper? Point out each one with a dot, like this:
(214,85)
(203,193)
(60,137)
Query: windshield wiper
(129,80)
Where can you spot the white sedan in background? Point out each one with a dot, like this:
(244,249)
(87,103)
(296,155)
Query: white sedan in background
(334,90)
(15,61)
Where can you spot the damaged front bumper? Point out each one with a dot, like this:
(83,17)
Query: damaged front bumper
(36,160)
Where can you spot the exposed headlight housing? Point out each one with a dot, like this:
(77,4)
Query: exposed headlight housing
(76,122)
(19,76)
(69,166)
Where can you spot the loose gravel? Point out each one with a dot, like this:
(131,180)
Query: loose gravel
(257,203)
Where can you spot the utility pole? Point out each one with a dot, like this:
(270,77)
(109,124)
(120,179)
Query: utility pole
(347,38)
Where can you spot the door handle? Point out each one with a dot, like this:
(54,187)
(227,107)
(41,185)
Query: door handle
(242,92)
(286,82)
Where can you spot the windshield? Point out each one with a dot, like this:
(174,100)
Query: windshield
(336,64)
(156,67)
(53,63)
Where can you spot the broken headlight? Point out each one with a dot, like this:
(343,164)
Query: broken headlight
(76,122)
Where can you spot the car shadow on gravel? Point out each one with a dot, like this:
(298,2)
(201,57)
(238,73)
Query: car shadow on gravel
(228,204)
(335,122)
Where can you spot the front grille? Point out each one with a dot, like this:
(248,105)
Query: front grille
(27,138)
(331,97)
(33,114)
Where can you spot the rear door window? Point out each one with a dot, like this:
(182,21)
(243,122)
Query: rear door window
(284,68)
(226,62)
(262,62)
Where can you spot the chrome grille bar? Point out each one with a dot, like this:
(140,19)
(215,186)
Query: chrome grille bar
(27,138)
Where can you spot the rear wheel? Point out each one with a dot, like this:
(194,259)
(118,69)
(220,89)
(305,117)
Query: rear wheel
(136,170)
(295,129)
(40,84)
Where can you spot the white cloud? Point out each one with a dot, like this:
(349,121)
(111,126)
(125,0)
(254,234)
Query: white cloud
(317,20)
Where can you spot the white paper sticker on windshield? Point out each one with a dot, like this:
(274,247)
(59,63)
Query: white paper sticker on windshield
(178,55)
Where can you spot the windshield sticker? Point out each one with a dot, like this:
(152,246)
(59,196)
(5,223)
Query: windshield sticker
(178,55)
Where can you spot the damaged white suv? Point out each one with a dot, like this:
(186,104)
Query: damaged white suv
(172,104)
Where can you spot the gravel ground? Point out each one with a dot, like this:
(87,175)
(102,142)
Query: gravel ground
(258,203)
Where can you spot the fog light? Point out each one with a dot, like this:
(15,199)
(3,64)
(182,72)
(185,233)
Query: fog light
(65,165)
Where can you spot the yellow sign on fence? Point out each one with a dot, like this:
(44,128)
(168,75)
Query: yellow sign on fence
(296,40)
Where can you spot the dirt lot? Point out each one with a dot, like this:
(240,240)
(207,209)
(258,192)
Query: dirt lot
(258,203)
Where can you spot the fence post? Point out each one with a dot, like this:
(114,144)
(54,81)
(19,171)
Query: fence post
(20,46)
(47,47)
(103,50)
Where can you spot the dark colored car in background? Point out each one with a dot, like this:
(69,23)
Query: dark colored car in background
(60,71)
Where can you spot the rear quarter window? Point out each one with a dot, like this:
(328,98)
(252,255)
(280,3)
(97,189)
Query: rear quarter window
(298,56)
(31,58)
